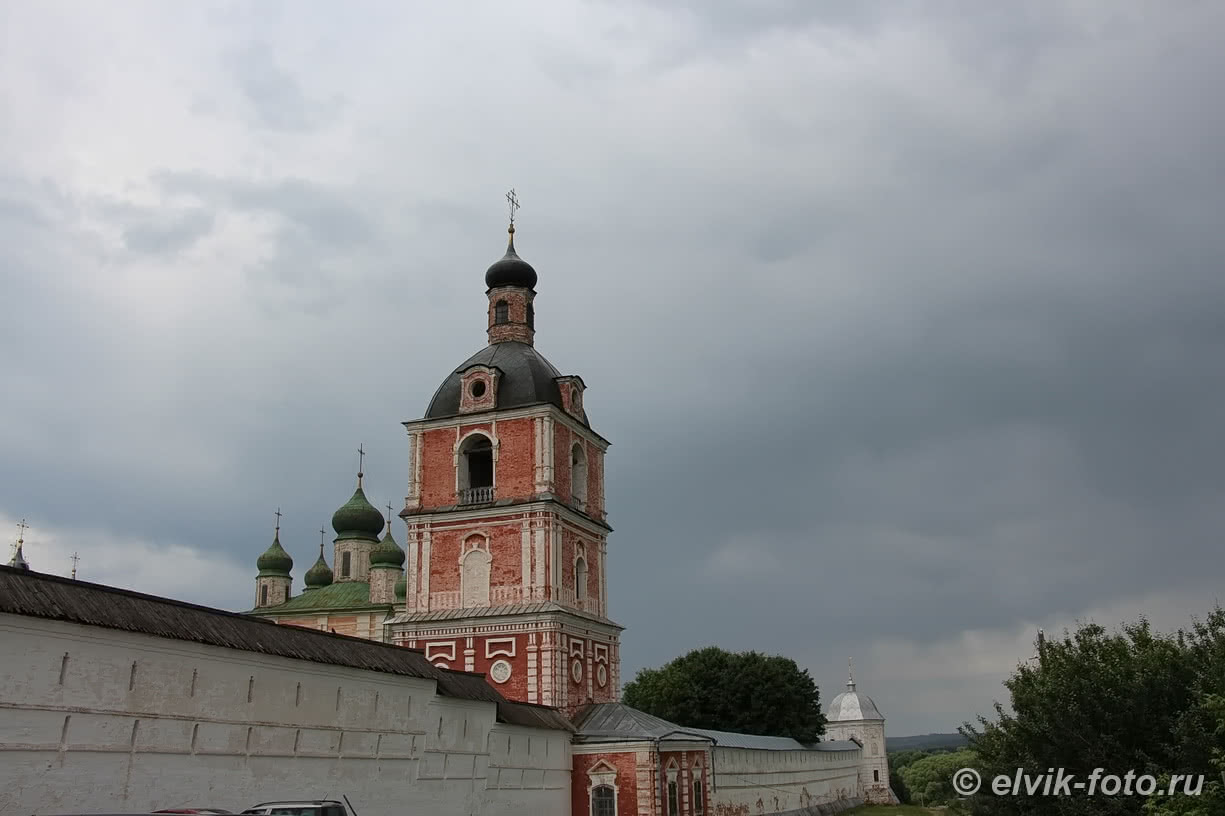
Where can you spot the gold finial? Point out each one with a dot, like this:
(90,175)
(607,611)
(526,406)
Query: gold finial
(361,459)
(21,531)
(512,201)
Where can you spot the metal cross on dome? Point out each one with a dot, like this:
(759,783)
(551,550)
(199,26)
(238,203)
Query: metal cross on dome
(513,201)
(278,520)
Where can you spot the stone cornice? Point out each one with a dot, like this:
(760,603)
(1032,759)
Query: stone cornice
(542,409)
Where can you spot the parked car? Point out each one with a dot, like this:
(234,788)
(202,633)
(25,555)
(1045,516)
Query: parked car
(316,807)
(201,811)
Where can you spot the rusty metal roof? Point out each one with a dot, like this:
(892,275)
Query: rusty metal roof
(38,595)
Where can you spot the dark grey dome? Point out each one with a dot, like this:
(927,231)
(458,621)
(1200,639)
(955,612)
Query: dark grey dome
(527,378)
(511,270)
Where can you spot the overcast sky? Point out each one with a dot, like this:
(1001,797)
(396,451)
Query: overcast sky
(906,320)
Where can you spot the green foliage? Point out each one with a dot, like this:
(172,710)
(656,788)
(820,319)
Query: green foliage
(1211,801)
(1130,700)
(929,778)
(899,786)
(746,692)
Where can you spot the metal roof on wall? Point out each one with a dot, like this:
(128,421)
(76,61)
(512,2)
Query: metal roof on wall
(39,595)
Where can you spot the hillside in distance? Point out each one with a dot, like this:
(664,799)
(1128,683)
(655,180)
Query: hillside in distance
(926,742)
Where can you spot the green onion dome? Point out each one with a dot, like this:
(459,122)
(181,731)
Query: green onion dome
(387,553)
(319,575)
(358,518)
(401,589)
(275,561)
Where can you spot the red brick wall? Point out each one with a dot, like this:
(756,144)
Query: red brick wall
(684,780)
(516,329)
(516,465)
(437,467)
(514,470)
(516,687)
(627,782)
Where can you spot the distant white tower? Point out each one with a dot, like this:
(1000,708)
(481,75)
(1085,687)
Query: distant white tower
(854,716)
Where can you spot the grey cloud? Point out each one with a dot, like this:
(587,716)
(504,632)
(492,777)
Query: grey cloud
(169,234)
(885,355)
(276,97)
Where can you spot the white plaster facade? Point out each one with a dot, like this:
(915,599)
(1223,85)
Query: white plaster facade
(95,719)
(874,765)
(781,781)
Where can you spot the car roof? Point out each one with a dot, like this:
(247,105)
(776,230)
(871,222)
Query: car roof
(298,802)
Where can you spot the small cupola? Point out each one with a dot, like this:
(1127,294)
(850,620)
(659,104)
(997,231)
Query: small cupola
(18,561)
(387,553)
(511,287)
(319,575)
(275,562)
(358,518)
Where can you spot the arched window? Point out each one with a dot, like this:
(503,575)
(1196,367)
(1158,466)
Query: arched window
(531,316)
(578,473)
(674,807)
(697,793)
(501,312)
(345,564)
(580,579)
(263,595)
(603,801)
(474,579)
(476,470)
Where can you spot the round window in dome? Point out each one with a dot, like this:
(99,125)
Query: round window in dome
(477,389)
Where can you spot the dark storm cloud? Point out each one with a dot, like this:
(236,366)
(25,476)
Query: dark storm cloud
(902,327)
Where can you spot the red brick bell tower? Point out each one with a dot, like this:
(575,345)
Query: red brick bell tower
(506,524)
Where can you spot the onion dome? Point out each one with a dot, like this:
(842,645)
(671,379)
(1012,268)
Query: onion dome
(320,575)
(401,589)
(275,561)
(358,518)
(511,270)
(387,553)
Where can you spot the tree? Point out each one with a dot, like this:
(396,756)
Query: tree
(745,692)
(1131,700)
(932,776)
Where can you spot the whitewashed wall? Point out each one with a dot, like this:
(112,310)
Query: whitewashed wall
(781,781)
(95,719)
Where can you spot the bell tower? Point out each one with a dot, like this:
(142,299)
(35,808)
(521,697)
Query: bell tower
(506,525)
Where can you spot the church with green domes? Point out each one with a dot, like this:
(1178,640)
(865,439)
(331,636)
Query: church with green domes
(355,596)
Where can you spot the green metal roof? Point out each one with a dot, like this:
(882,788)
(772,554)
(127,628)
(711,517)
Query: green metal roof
(338,596)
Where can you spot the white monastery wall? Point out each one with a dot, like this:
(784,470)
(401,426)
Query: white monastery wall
(874,767)
(95,719)
(781,781)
